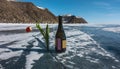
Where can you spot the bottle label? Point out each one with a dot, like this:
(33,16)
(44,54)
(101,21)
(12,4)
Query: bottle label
(63,43)
(59,43)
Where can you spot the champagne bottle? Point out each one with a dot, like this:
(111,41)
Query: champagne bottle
(60,38)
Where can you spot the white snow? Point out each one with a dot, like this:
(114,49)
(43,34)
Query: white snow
(16,39)
(30,59)
(41,8)
(4,50)
(67,15)
(113,29)
(8,55)
(113,67)
(78,17)
(1,67)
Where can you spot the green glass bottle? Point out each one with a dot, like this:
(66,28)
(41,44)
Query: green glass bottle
(60,38)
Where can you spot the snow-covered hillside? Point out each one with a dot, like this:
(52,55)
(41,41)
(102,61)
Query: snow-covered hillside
(88,47)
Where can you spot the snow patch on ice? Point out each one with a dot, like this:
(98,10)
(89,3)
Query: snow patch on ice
(8,55)
(4,50)
(30,59)
(113,29)
(93,60)
(113,67)
(1,67)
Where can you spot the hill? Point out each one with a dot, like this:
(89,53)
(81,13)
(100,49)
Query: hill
(73,19)
(24,12)
(27,12)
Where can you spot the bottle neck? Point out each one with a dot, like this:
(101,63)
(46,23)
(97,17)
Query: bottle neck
(60,22)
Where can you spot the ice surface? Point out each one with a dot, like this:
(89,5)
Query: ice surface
(19,26)
(82,50)
(10,26)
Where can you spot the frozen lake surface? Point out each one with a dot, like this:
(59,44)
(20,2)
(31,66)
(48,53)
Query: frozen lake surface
(88,47)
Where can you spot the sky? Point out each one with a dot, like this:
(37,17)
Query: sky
(93,11)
